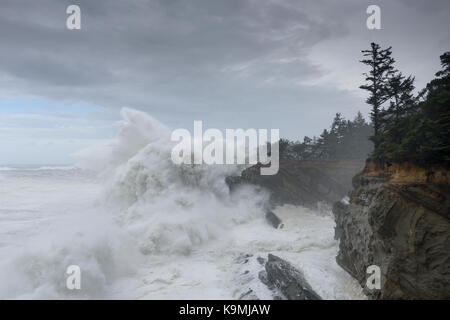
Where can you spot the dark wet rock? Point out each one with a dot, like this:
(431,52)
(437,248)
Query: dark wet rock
(287,279)
(262,275)
(243,258)
(249,295)
(261,260)
(402,227)
(273,219)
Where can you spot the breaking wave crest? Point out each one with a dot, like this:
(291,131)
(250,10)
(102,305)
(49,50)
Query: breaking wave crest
(169,208)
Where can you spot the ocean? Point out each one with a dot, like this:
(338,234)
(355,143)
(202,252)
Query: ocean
(140,227)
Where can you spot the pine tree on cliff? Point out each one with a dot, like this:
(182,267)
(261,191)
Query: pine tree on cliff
(336,136)
(413,131)
(381,67)
(435,116)
(357,145)
(403,101)
(400,89)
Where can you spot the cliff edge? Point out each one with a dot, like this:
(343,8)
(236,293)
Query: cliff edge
(302,182)
(398,219)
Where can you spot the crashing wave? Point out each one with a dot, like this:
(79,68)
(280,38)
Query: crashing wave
(168,208)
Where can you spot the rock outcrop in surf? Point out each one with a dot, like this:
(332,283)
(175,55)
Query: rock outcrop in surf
(281,275)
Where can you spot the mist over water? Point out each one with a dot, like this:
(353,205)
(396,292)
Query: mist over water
(140,226)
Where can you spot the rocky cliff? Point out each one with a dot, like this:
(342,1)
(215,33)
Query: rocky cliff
(302,182)
(398,219)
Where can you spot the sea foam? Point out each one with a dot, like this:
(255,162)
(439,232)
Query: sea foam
(139,204)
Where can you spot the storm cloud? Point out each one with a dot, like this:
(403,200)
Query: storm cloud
(236,63)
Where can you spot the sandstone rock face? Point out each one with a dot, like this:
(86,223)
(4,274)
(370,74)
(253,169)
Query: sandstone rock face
(404,228)
(302,183)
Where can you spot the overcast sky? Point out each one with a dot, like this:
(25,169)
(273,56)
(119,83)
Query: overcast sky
(232,63)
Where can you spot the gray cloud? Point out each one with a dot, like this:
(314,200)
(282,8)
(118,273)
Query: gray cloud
(285,63)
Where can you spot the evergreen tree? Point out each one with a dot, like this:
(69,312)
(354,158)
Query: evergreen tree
(361,146)
(417,128)
(336,135)
(359,120)
(345,140)
(435,116)
(323,146)
(400,90)
(381,67)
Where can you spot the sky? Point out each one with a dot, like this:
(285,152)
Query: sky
(286,64)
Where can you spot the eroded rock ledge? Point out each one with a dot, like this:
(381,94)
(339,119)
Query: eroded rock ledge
(401,224)
(302,183)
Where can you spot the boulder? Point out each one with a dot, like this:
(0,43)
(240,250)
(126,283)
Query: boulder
(287,279)
(273,219)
